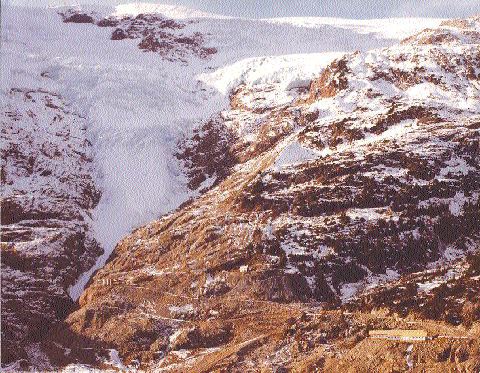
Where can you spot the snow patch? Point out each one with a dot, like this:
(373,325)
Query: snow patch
(457,203)
(187,308)
(292,154)
(456,166)
(408,356)
(115,361)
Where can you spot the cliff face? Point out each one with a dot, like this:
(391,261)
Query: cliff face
(48,193)
(360,193)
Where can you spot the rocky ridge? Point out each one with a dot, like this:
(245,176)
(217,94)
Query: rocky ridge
(156,33)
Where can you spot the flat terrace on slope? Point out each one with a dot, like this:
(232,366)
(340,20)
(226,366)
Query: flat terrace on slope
(410,335)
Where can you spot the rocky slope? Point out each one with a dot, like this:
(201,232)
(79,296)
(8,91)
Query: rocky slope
(337,198)
(48,194)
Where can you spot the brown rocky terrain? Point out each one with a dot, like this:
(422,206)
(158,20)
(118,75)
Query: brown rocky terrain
(353,207)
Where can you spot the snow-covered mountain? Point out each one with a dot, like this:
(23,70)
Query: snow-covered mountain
(281,147)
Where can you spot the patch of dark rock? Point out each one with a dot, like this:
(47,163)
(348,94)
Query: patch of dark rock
(79,18)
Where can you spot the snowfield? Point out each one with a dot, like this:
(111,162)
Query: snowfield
(170,11)
(389,28)
(138,105)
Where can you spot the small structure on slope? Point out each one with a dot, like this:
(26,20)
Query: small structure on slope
(400,334)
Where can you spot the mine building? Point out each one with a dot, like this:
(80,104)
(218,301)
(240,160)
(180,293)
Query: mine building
(399,334)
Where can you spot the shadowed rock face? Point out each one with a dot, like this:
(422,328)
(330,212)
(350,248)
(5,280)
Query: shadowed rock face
(47,192)
(340,200)
(78,18)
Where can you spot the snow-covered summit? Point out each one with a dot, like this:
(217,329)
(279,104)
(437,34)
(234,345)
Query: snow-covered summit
(289,71)
(171,11)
